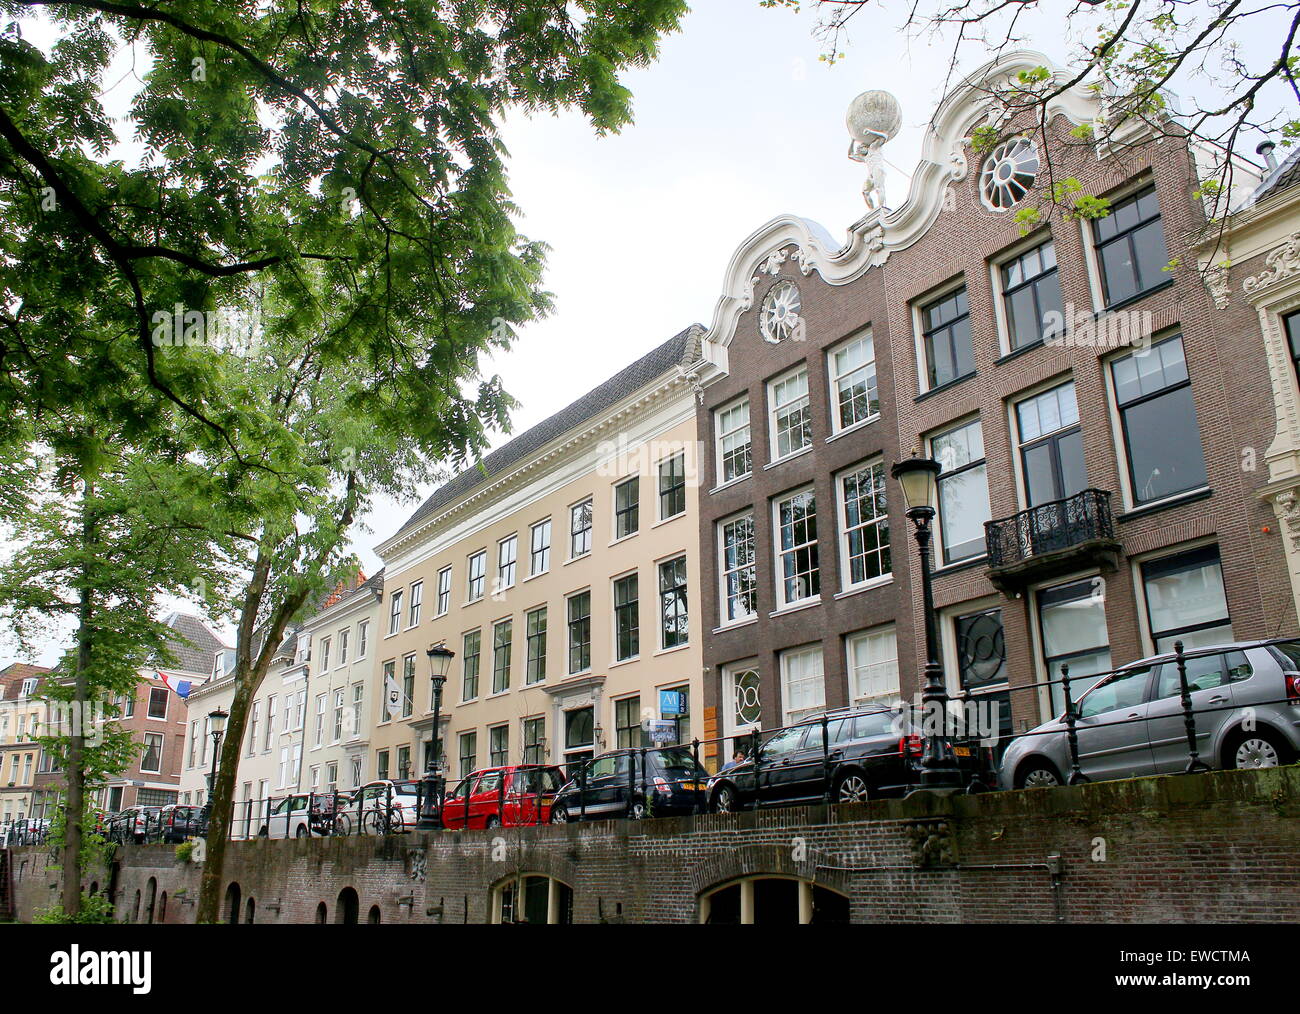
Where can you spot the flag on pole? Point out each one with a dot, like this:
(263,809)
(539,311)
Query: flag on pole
(180,687)
(393,697)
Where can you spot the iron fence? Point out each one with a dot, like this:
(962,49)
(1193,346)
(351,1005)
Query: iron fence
(646,786)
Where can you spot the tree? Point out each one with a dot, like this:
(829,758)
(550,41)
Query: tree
(1233,67)
(268,136)
(338,161)
(102,529)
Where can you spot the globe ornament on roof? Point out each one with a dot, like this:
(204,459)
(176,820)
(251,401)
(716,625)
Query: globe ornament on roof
(874,118)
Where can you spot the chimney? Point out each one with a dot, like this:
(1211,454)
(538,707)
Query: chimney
(1265,148)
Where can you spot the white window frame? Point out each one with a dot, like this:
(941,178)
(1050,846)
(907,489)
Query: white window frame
(774,410)
(918,307)
(442,605)
(363,638)
(894,693)
(502,564)
(940,560)
(833,381)
(842,524)
(545,523)
(779,573)
(470,596)
(723,572)
(414,604)
(590,503)
(395,613)
(788,715)
(720,436)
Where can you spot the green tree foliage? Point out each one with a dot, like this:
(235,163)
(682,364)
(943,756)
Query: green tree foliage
(100,530)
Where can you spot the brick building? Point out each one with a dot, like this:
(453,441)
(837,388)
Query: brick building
(21,714)
(1091,406)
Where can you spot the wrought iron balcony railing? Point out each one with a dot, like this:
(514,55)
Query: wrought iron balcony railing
(1080,522)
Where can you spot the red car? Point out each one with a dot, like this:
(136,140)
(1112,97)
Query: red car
(503,797)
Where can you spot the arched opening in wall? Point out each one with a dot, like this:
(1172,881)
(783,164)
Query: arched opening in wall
(162,907)
(94,888)
(250,912)
(135,908)
(532,898)
(374,918)
(232,903)
(773,901)
(322,914)
(150,897)
(348,907)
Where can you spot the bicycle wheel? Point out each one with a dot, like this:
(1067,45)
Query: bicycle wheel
(342,825)
(374,822)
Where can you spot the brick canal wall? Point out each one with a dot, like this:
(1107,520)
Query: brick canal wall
(1218,847)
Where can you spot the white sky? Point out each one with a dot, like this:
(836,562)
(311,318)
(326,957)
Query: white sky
(736,123)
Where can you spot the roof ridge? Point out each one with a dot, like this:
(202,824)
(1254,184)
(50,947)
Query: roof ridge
(682,348)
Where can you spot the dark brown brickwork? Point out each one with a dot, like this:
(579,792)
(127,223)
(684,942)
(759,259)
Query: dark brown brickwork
(1203,848)
(1230,385)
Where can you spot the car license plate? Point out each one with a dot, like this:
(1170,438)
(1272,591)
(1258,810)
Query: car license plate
(961,751)
(693,787)
(545,800)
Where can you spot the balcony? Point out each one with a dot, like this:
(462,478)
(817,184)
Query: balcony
(1051,539)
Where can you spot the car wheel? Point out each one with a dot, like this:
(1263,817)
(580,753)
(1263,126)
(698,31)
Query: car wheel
(559,813)
(1257,749)
(637,810)
(302,831)
(725,800)
(851,787)
(1037,774)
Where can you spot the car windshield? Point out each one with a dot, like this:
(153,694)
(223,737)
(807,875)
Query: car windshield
(677,760)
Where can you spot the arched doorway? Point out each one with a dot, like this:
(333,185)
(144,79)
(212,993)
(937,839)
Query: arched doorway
(135,908)
(773,901)
(250,911)
(94,888)
(322,914)
(532,898)
(162,907)
(348,907)
(232,903)
(150,898)
(374,917)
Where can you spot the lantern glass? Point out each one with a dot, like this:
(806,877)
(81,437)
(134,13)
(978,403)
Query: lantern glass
(440,657)
(217,721)
(919,479)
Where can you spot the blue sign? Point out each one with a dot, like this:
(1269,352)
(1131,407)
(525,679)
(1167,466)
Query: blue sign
(672,702)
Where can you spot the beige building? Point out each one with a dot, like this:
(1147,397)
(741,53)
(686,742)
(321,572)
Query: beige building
(563,574)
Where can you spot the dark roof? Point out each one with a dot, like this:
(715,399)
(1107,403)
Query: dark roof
(1284,177)
(195,646)
(677,351)
(12,676)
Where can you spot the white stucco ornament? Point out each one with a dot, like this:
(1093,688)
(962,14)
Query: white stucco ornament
(874,118)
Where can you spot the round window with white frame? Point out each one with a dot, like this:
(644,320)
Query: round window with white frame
(779,319)
(1008,173)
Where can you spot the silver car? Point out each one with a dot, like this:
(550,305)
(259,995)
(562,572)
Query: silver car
(1247,702)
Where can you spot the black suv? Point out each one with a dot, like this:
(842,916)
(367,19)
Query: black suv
(866,752)
(180,823)
(662,782)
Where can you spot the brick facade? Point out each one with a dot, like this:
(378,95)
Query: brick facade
(1206,848)
(900,266)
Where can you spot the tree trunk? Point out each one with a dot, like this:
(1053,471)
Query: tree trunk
(75,808)
(223,798)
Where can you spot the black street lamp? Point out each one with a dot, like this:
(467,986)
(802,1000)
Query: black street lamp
(919,479)
(217,725)
(440,657)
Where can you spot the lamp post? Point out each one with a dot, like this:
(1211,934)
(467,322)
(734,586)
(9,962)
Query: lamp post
(440,657)
(918,478)
(217,727)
